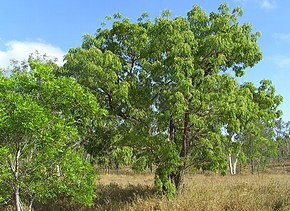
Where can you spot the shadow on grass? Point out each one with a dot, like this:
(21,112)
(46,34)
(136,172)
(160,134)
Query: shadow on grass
(109,197)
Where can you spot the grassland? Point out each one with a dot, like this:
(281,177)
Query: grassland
(202,192)
(128,191)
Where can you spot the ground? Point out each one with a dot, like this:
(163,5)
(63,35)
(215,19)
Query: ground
(266,191)
(208,191)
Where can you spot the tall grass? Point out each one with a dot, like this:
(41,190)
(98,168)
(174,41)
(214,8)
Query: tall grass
(267,191)
(242,192)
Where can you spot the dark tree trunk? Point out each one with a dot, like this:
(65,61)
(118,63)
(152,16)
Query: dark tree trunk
(252,166)
(178,180)
(178,177)
(172,130)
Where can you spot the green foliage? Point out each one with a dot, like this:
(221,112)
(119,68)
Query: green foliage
(151,93)
(122,156)
(282,137)
(140,164)
(256,147)
(208,155)
(168,92)
(41,156)
(169,162)
(163,185)
(5,175)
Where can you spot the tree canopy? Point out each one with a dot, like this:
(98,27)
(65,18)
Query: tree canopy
(168,87)
(40,147)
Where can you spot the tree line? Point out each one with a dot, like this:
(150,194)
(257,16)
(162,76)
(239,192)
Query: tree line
(160,94)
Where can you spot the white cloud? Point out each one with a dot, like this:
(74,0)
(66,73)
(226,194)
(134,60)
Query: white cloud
(267,4)
(264,4)
(283,37)
(242,2)
(282,62)
(20,50)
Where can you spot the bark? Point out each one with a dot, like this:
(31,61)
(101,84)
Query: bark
(252,166)
(171,130)
(233,160)
(30,204)
(17,199)
(178,178)
(57,171)
(235,166)
(16,178)
(230,163)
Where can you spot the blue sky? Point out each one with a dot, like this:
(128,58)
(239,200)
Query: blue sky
(54,26)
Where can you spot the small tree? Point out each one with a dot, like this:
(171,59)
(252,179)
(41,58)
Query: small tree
(252,124)
(40,152)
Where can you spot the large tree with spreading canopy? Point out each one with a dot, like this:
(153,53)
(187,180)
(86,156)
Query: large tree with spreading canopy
(171,91)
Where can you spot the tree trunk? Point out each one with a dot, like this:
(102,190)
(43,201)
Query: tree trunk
(30,204)
(235,166)
(233,160)
(171,130)
(178,178)
(17,199)
(16,172)
(230,164)
(252,166)
(57,170)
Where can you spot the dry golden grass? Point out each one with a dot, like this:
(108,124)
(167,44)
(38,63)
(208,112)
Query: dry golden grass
(205,192)
(201,192)
(242,192)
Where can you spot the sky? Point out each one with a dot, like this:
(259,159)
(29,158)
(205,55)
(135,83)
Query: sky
(52,27)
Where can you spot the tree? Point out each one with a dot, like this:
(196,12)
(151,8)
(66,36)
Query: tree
(40,150)
(259,147)
(282,132)
(167,88)
(234,151)
(250,129)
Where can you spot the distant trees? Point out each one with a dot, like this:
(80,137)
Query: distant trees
(258,148)
(268,145)
(255,141)
(282,136)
